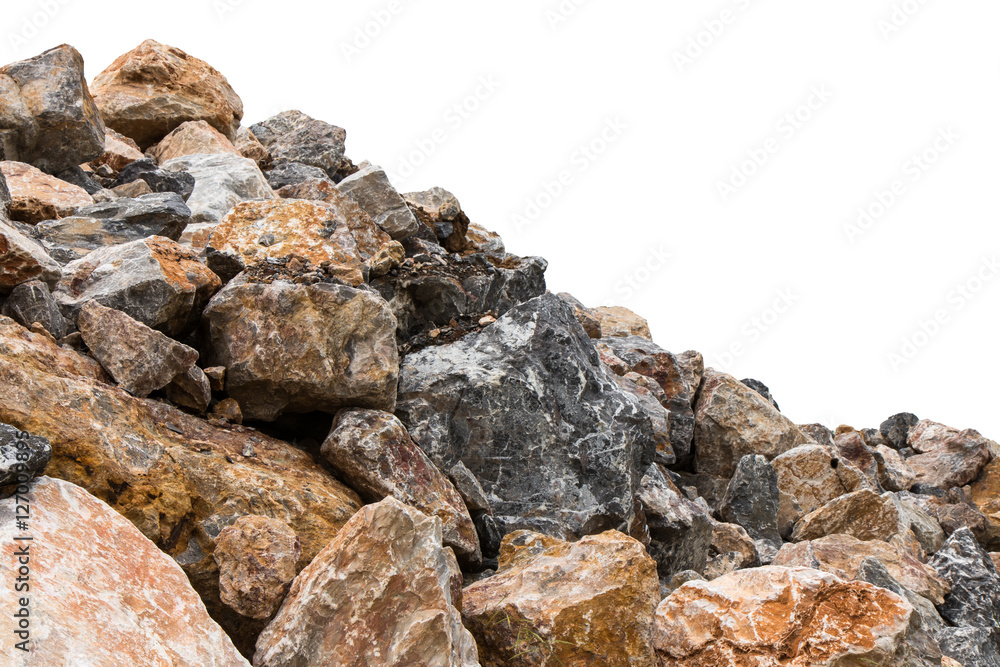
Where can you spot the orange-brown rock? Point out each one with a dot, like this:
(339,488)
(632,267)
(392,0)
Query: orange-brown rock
(100,592)
(619,322)
(36,196)
(257,558)
(193,136)
(986,491)
(813,475)
(379,595)
(947,457)
(119,151)
(864,514)
(781,617)
(250,147)
(23,259)
(151,90)
(586,603)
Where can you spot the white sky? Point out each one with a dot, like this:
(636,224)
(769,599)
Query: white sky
(648,208)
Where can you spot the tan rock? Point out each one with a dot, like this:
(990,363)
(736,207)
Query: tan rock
(619,322)
(189,138)
(250,147)
(947,457)
(731,421)
(732,549)
(253,231)
(119,151)
(132,190)
(778,616)
(986,490)
(22,259)
(35,196)
(229,410)
(863,514)
(842,555)
(190,390)
(257,558)
(100,590)
(894,473)
(388,257)
(380,593)
(559,603)
(852,447)
(483,240)
(813,475)
(154,88)
(590,323)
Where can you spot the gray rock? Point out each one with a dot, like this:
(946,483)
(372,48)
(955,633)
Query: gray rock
(491,530)
(222,180)
(22,259)
(971,647)
(4,198)
(78,177)
(32,302)
(896,428)
(820,434)
(295,137)
(752,501)
(761,389)
(293,173)
(527,407)
(680,531)
(158,180)
(440,211)
(469,488)
(974,600)
(692,365)
(22,455)
(651,398)
(371,189)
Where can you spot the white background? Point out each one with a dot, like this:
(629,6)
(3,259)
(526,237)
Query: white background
(680,119)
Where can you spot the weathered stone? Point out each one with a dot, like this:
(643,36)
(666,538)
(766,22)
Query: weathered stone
(590,324)
(293,136)
(77,176)
(372,452)
(387,258)
(102,589)
(151,90)
(896,429)
(619,322)
(819,434)
(692,366)
(191,138)
(953,516)
(18,128)
(285,174)
(780,616)
(257,558)
(469,488)
(680,531)
(731,421)
(254,231)
(761,389)
(22,259)
(119,151)
(216,377)
(851,447)
(36,196)
(526,406)
(440,211)
(380,593)
(894,474)
(302,348)
(190,389)
(789,512)
(974,600)
(158,180)
(971,646)
(843,555)
(863,514)
(221,182)
(482,240)
(22,455)
(32,302)
(751,501)
(730,542)
(651,398)
(228,410)
(813,475)
(136,188)
(250,147)
(371,189)
(66,130)
(924,525)
(584,603)
(947,457)
(153,280)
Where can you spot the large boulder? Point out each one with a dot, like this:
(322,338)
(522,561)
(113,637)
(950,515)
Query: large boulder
(945,456)
(23,259)
(371,189)
(60,126)
(35,196)
(222,181)
(154,88)
(813,475)
(383,592)
(302,347)
(566,603)
(864,514)
(292,136)
(526,405)
(100,589)
(191,138)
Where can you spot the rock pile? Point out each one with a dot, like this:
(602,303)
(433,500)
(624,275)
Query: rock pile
(266,409)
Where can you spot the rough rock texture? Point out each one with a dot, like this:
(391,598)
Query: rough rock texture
(852,447)
(487,242)
(619,322)
(590,324)
(250,147)
(65,129)
(302,348)
(221,182)
(651,397)
(863,514)
(36,196)
(527,407)
(780,616)
(371,189)
(157,179)
(692,365)
(119,152)
(894,473)
(153,280)
(573,604)
(731,549)
(191,138)
(680,531)
(947,457)
(752,500)
(441,212)
(896,429)
(22,455)
(32,302)
(190,390)
(284,174)
(254,231)
(257,558)
(139,359)
(974,600)
(813,475)
(22,259)
(761,389)
(380,593)
(372,452)
(731,421)
(154,88)
(293,136)
(100,588)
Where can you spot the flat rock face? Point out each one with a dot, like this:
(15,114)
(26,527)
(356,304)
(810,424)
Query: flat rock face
(249,146)
(65,128)
(619,322)
(843,555)
(293,136)
(527,407)
(864,514)
(151,90)
(153,280)
(100,588)
(254,231)
(731,421)
(380,593)
(558,603)
(974,600)
(302,348)
(947,457)
(813,475)
(221,182)
(780,616)
(372,452)
(190,138)
(22,259)
(36,196)
(371,189)
(894,473)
